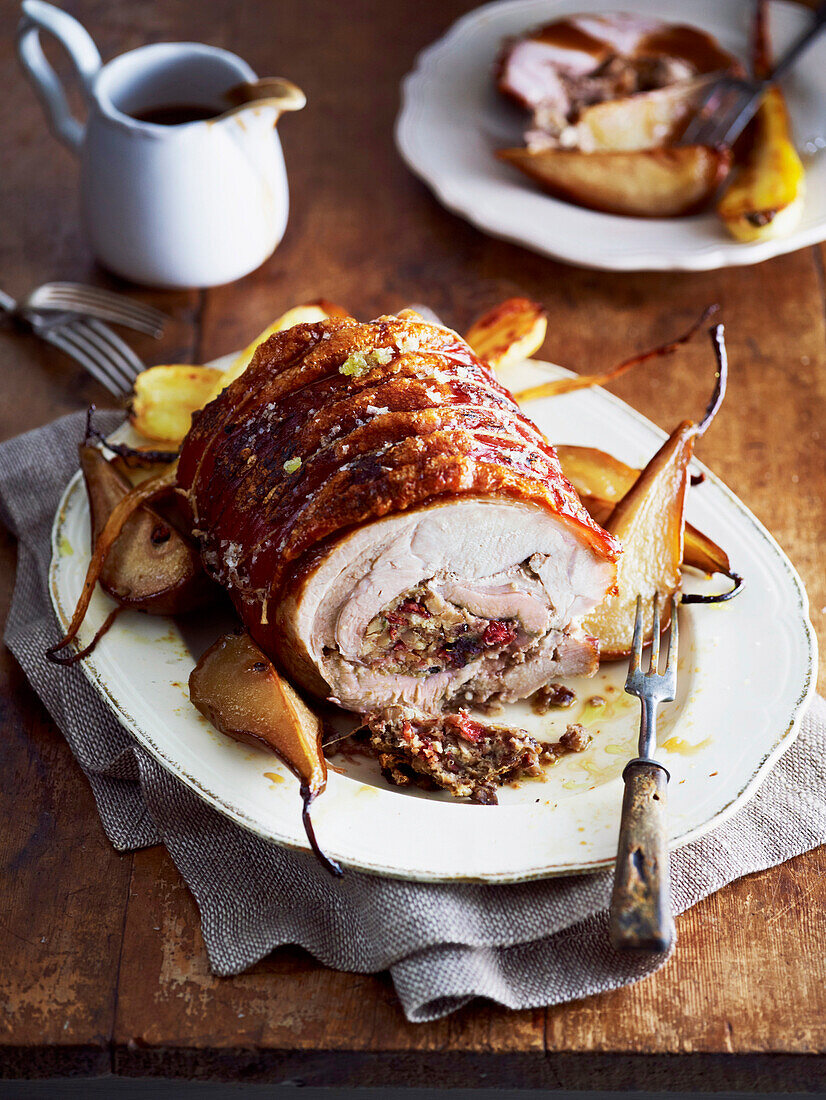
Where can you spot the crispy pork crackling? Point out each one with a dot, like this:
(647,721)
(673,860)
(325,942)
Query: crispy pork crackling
(390,526)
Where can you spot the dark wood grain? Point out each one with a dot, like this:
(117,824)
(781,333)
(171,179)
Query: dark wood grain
(102,962)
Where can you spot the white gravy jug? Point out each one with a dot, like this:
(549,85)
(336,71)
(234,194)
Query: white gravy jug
(189,205)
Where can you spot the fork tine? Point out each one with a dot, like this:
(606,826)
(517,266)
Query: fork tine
(105,355)
(84,308)
(69,346)
(109,297)
(636,644)
(124,361)
(84,341)
(104,307)
(673,637)
(655,636)
(700,117)
(722,120)
(116,305)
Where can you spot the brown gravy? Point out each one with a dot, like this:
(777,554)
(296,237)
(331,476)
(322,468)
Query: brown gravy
(688,43)
(567,36)
(175,114)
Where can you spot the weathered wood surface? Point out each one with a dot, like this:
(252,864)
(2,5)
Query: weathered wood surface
(101,961)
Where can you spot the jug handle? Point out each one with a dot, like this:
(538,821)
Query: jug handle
(76,41)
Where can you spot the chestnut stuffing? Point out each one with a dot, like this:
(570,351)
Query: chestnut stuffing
(456,753)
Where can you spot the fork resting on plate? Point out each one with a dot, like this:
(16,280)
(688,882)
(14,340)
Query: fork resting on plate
(640,913)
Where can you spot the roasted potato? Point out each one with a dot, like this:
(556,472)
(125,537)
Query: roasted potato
(509,333)
(644,183)
(165,397)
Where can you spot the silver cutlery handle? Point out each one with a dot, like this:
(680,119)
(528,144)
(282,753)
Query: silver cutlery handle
(801,44)
(640,914)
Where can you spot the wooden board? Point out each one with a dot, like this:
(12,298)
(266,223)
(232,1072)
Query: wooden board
(102,963)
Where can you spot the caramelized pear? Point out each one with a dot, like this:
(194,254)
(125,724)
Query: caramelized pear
(649,521)
(665,182)
(767,197)
(150,566)
(601,480)
(237,688)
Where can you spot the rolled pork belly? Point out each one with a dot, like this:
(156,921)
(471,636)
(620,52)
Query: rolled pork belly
(390,526)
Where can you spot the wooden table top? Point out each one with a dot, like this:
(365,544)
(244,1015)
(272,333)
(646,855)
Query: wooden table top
(102,966)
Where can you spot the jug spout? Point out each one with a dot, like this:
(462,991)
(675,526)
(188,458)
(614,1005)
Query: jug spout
(270,91)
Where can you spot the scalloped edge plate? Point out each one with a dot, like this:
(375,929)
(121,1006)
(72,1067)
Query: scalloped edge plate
(747,671)
(451,121)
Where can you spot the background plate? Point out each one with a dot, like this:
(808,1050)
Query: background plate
(452,119)
(746,673)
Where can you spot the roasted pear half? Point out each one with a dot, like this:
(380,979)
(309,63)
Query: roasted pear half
(649,522)
(150,566)
(643,183)
(137,555)
(238,689)
(767,196)
(601,480)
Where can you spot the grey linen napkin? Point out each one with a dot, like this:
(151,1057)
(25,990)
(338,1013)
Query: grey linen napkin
(523,946)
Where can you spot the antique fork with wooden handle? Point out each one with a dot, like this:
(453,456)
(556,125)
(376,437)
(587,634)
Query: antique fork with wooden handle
(640,913)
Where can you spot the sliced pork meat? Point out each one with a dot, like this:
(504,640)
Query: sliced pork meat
(392,529)
(557,69)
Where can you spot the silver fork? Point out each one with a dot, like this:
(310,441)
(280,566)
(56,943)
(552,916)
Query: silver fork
(91,301)
(640,913)
(89,342)
(731,102)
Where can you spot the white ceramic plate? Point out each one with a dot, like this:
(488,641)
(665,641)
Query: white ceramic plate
(452,120)
(746,671)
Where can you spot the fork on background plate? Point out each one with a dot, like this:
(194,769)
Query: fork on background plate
(731,102)
(640,914)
